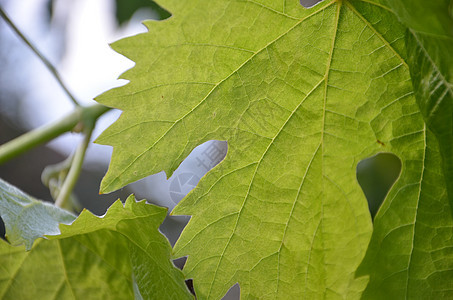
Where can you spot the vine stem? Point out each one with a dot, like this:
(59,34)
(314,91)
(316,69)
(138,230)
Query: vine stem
(46,62)
(76,168)
(81,119)
(77,120)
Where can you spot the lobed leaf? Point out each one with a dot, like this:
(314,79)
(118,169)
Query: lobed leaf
(26,218)
(97,258)
(411,251)
(301,96)
(430,44)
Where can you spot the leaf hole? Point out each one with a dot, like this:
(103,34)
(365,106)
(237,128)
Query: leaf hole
(234,293)
(180,262)
(2,229)
(189,284)
(309,3)
(376,175)
(200,161)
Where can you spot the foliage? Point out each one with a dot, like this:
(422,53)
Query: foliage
(96,258)
(429,43)
(27,219)
(302,96)
(126,8)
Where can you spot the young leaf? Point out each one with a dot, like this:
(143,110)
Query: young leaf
(301,96)
(149,251)
(96,258)
(26,218)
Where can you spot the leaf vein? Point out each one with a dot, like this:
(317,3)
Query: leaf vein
(376,33)
(422,173)
(126,168)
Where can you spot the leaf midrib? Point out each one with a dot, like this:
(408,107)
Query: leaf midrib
(10,281)
(409,263)
(66,278)
(386,44)
(324,79)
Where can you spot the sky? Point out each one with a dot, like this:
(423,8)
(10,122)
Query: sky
(77,43)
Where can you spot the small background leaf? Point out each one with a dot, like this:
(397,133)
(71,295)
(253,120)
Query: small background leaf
(96,258)
(26,218)
(148,250)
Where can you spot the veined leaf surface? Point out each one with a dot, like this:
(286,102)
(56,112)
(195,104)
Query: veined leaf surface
(26,218)
(301,96)
(427,272)
(96,258)
(430,45)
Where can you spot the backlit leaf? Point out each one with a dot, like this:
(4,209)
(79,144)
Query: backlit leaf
(411,251)
(26,218)
(96,258)
(301,96)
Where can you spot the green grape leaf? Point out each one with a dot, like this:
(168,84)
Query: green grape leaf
(434,18)
(301,96)
(26,218)
(64,269)
(423,266)
(431,64)
(430,48)
(97,258)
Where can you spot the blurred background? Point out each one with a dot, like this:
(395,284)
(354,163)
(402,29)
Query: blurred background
(75,37)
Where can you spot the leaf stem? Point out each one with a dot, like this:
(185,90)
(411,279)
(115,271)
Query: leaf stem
(77,120)
(46,62)
(76,168)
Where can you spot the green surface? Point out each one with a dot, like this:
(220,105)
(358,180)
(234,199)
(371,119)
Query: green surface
(125,9)
(419,265)
(301,96)
(96,258)
(26,218)
(430,57)
(63,269)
